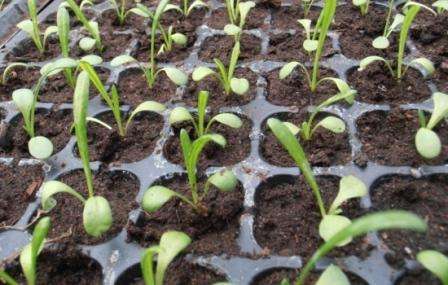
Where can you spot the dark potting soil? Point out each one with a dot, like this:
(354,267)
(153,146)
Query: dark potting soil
(57,90)
(275,276)
(19,77)
(255,19)
(177,53)
(376,85)
(294,90)
(15,194)
(119,188)
(287,47)
(176,19)
(236,149)
(132,22)
(180,272)
(134,89)
(220,46)
(427,197)
(389,138)
(287,217)
(64,266)
(218,97)
(358,46)
(440,78)
(213,232)
(52,124)
(27,51)
(324,149)
(285,17)
(114,44)
(108,146)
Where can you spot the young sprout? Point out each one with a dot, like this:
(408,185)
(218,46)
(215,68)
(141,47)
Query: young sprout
(435,262)
(363,5)
(31,27)
(181,114)
(226,76)
(29,254)
(97,214)
(63,24)
(321,29)
(237,11)
(170,38)
(440,5)
(349,186)
(120,10)
(171,244)
(9,69)
(186,7)
(386,220)
(331,123)
(411,9)
(86,43)
(427,142)
(382,42)
(243,10)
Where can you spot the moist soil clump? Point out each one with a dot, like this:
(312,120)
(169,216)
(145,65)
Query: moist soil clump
(52,124)
(427,197)
(119,188)
(213,232)
(375,85)
(324,149)
(218,96)
(108,146)
(388,138)
(294,90)
(236,149)
(16,194)
(287,217)
(220,46)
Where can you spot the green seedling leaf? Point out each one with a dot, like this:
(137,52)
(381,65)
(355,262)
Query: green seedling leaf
(23,99)
(9,69)
(179,114)
(179,39)
(99,122)
(232,30)
(392,219)
(440,110)
(49,31)
(57,66)
(239,85)
(333,124)
(155,197)
(201,72)
(224,180)
(53,187)
(435,262)
(5,277)
(332,224)
(369,60)
(146,264)
(425,63)
(292,128)
(359,2)
(228,119)
(380,42)
(87,44)
(349,187)
(177,76)
(306,24)
(141,10)
(147,106)
(40,147)
(97,216)
(122,60)
(172,7)
(428,143)
(310,45)
(244,8)
(333,275)
(27,27)
(171,244)
(287,69)
(441,4)
(195,4)
(398,20)
(63,25)
(92,59)
(28,256)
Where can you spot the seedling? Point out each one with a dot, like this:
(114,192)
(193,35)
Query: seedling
(9,69)
(411,10)
(349,186)
(427,142)
(331,123)
(386,220)
(86,43)
(363,5)
(171,244)
(382,42)
(322,27)
(120,10)
(181,114)
(29,254)
(435,262)
(97,214)
(63,24)
(226,76)
(186,7)
(170,38)
(243,10)
(440,5)
(156,196)
(31,27)
(237,11)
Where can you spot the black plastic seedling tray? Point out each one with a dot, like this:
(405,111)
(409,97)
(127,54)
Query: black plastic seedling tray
(119,256)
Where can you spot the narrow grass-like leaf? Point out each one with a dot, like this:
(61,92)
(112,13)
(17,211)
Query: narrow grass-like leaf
(440,110)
